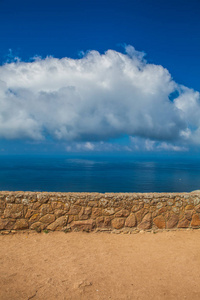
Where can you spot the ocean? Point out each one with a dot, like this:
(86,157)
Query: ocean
(83,173)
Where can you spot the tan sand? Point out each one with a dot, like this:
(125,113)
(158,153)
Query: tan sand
(57,265)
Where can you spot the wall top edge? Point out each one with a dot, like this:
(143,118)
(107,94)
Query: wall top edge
(96,193)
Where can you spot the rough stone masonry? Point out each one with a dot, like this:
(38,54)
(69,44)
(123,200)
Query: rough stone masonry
(119,212)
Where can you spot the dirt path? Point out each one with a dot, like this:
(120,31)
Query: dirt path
(100,266)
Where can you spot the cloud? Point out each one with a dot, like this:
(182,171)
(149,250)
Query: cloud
(142,144)
(96,98)
(167,146)
(134,144)
(96,147)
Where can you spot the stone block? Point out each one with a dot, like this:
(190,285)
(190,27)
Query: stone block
(137,207)
(197,208)
(6,224)
(74,210)
(107,221)
(139,215)
(159,221)
(66,207)
(176,210)
(100,221)
(34,218)
(70,219)
(103,202)
(196,201)
(85,213)
(162,210)
(93,203)
(42,197)
(108,211)
(58,223)
(21,224)
(30,213)
(118,223)
(81,202)
(195,221)
(172,221)
(83,225)
(170,202)
(10,199)
(38,226)
(34,206)
(131,221)
(45,209)
(96,212)
(122,213)
(59,212)
(2,207)
(159,205)
(146,222)
(188,214)
(183,223)
(57,205)
(13,211)
(178,203)
(188,207)
(47,219)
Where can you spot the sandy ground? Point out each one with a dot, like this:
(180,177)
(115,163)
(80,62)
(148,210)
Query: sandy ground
(57,265)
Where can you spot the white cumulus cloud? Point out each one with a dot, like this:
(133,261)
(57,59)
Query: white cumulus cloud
(96,98)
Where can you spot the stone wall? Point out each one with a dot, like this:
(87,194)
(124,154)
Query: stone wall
(127,212)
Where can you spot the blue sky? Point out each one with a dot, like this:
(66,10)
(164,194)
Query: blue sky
(121,100)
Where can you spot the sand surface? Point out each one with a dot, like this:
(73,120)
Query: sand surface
(57,265)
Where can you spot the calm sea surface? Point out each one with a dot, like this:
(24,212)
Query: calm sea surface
(99,174)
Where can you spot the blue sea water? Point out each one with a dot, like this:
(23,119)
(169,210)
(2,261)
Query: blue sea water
(99,174)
